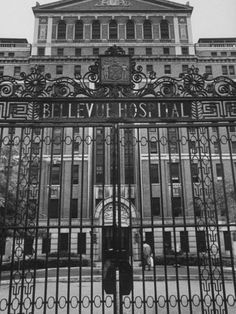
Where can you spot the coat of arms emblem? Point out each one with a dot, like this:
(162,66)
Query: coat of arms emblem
(115,70)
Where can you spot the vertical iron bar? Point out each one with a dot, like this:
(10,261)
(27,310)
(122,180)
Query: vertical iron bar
(161,161)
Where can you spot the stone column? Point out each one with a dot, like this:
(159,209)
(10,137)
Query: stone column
(48,50)
(104,27)
(122,20)
(35,40)
(155,27)
(177,40)
(139,27)
(190,36)
(87,20)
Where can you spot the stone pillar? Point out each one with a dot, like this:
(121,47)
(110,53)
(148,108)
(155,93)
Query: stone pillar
(139,27)
(122,27)
(87,20)
(35,40)
(177,40)
(104,28)
(155,27)
(48,50)
(190,36)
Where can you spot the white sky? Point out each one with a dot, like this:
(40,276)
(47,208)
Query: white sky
(210,18)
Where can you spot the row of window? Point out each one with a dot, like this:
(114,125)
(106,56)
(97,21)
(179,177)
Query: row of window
(131,51)
(226,69)
(113,33)
(64,243)
(223,54)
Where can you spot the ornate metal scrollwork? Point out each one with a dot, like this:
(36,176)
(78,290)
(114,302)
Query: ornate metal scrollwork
(189,84)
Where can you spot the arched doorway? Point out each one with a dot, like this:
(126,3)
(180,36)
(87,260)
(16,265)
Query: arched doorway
(104,214)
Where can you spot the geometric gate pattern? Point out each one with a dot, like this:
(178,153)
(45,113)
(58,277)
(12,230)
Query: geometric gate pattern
(90,172)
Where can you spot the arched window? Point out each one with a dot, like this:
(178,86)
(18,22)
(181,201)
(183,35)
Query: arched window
(113,30)
(147,29)
(164,29)
(130,32)
(61,30)
(79,27)
(96,30)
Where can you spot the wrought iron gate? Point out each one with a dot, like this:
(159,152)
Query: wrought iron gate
(88,175)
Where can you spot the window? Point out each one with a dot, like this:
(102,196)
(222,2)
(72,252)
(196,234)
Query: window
(131,51)
(155,206)
(1,70)
(57,137)
(195,173)
(41,68)
(77,52)
(147,29)
(214,54)
(201,241)
(164,29)
(154,173)
(60,52)
(233,53)
(167,69)
(227,241)
(208,69)
(224,69)
(99,174)
(77,69)
(63,242)
(185,68)
(79,30)
(149,68)
(96,30)
(232,128)
(74,208)
(223,54)
(75,174)
(55,180)
(184,241)
(1,54)
(167,241)
(148,51)
(166,50)
(130,30)
(174,172)
(53,210)
(11,130)
(185,50)
(176,206)
(28,245)
(11,54)
(46,245)
(153,146)
(17,71)
(3,246)
(172,138)
(234,147)
(61,30)
(113,30)
(95,51)
(216,148)
(231,70)
(59,69)
(81,248)
(41,51)
(219,171)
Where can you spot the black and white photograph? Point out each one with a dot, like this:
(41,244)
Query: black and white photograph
(117,157)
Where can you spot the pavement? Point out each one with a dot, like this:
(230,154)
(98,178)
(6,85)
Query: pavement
(63,292)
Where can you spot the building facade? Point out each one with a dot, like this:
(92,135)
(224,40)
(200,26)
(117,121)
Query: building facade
(76,168)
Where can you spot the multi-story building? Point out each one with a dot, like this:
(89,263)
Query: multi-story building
(77,177)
